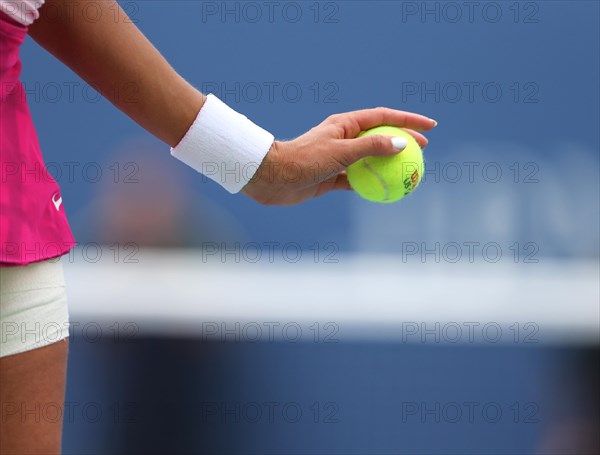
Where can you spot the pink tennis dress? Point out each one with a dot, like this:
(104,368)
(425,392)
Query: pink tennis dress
(33,223)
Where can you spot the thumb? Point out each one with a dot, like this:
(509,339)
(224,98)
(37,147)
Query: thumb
(373,145)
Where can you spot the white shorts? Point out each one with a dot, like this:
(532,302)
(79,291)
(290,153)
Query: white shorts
(33,307)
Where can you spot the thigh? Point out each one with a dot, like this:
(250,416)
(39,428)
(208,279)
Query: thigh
(33,358)
(32,394)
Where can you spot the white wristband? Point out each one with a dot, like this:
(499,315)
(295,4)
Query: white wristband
(224,145)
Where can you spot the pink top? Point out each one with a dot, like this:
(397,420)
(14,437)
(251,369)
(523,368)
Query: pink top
(33,223)
(22,11)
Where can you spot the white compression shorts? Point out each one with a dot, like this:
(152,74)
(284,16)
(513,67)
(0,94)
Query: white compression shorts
(33,307)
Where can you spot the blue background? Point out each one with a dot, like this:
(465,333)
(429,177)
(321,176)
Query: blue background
(370,54)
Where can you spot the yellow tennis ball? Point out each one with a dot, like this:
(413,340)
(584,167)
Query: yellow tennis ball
(388,179)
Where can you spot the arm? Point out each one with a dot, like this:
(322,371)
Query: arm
(112,52)
(111,55)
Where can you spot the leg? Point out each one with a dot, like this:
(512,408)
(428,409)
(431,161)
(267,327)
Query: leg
(32,390)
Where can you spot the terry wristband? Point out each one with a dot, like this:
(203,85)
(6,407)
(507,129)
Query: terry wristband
(224,145)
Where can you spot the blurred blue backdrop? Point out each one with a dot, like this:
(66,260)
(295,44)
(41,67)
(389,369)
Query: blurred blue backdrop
(514,86)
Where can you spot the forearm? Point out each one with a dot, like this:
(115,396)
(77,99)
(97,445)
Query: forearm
(115,57)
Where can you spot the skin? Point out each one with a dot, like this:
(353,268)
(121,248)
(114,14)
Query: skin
(317,160)
(32,390)
(112,55)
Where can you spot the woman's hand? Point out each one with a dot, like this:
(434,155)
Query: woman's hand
(314,163)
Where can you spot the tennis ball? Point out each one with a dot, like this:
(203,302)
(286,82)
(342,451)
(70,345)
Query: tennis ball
(388,179)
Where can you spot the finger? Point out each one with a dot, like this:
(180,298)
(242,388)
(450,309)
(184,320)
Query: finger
(352,150)
(357,121)
(421,140)
(340,183)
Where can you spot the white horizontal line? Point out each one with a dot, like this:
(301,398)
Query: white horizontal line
(368,293)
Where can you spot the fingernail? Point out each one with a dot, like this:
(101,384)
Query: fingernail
(399,143)
(434,122)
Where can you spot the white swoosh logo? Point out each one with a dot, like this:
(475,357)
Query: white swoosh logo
(57,202)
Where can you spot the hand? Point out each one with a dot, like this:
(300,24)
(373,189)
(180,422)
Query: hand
(314,163)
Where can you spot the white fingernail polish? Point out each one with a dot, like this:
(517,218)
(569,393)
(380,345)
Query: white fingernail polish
(399,143)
